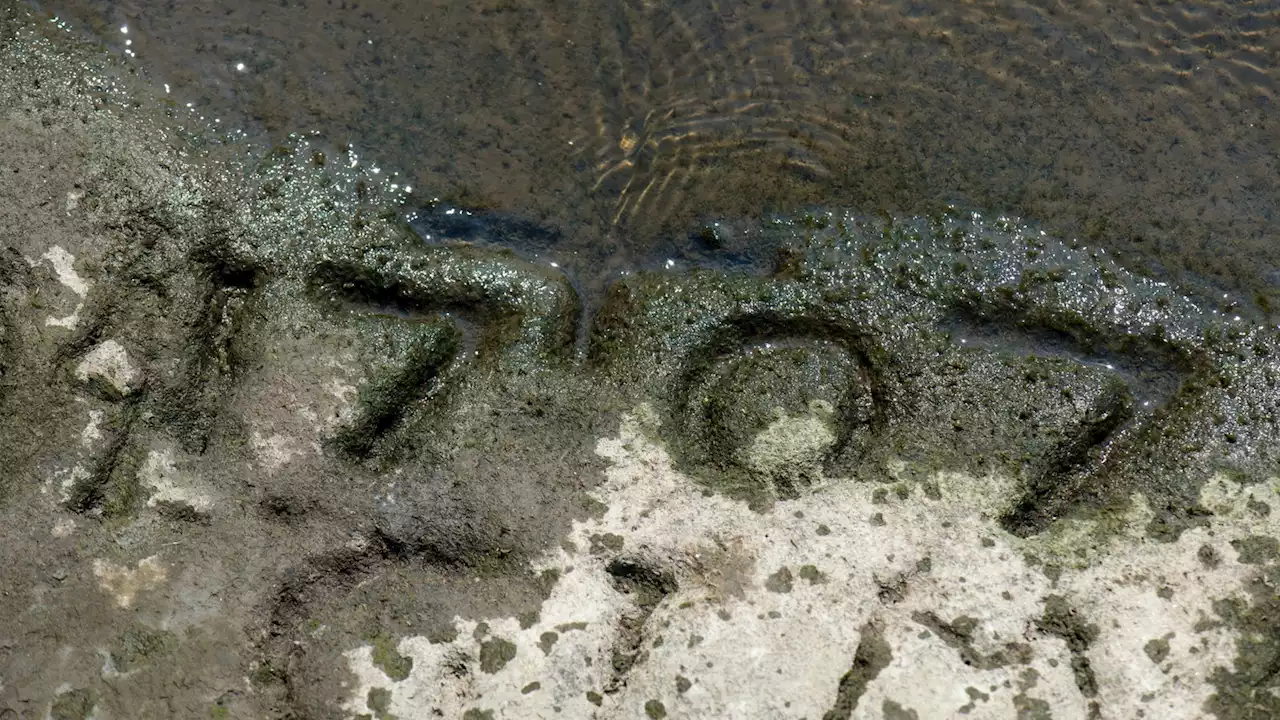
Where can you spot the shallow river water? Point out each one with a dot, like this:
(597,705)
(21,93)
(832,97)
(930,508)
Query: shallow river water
(1146,128)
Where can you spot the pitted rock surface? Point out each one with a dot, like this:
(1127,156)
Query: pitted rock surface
(270,452)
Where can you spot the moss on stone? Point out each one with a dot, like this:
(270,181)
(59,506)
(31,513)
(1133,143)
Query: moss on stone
(1157,649)
(140,646)
(389,660)
(655,710)
(495,653)
(1250,689)
(76,704)
(780,581)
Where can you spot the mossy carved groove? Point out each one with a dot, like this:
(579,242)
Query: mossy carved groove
(527,310)
(858,405)
(887,292)
(383,401)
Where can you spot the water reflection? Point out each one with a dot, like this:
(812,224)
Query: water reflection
(1142,128)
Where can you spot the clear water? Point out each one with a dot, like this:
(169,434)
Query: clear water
(1147,129)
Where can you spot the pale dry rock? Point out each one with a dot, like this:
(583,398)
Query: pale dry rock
(73,200)
(168,484)
(124,584)
(275,451)
(776,449)
(63,263)
(767,610)
(108,362)
(68,479)
(92,432)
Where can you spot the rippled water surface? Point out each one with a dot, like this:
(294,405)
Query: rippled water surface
(1145,128)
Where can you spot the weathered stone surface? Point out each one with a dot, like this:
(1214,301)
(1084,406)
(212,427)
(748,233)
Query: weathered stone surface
(936,608)
(258,432)
(106,368)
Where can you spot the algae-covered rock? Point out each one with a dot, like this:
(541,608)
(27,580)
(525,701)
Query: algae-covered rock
(252,419)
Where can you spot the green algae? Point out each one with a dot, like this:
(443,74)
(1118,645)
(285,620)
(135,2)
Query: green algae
(495,653)
(75,704)
(872,655)
(140,646)
(389,660)
(1248,690)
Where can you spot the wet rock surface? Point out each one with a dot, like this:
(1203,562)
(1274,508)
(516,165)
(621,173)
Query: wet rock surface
(270,452)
